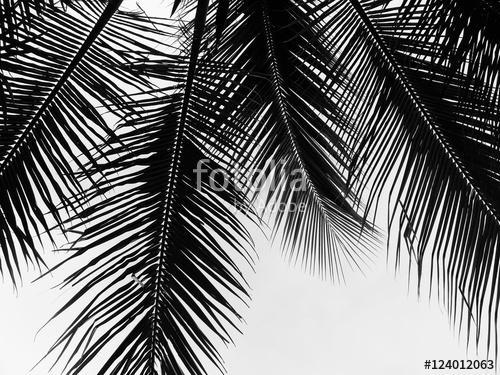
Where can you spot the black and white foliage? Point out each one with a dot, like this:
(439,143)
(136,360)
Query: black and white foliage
(106,115)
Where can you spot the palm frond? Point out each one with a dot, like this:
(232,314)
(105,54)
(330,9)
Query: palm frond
(65,68)
(339,96)
(430,117)
(284,103)
(164,243)
(16,15)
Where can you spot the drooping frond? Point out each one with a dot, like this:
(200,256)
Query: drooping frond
(284,98)
(57,76)
(16,16)
(333,99)
(161,237)
(427,113)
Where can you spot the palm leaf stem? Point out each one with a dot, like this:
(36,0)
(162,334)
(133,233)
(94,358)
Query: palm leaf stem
(101,23)
(415,99)
(199,24)
(279,95)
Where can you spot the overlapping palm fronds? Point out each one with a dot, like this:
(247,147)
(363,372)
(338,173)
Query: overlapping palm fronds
(412,92)
(287,101)
(431,68)
(57,74)
(339,101)
(162,239)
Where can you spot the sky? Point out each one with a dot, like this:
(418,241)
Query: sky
(296,324)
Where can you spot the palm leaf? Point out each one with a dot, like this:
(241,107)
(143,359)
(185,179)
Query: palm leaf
(431,120)
(283,110)
(348,93)
(163,247)
(58,73)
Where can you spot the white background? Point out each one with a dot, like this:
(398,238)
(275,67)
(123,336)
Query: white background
(296,325)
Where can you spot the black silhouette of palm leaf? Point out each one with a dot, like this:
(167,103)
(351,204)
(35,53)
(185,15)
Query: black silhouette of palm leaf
(56,75)
(342,95)
(294,124)
(164,247)
(431,70)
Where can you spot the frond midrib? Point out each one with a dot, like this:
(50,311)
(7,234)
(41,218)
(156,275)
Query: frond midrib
(111,7)
(420,107)
(174,174)
(285,116)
